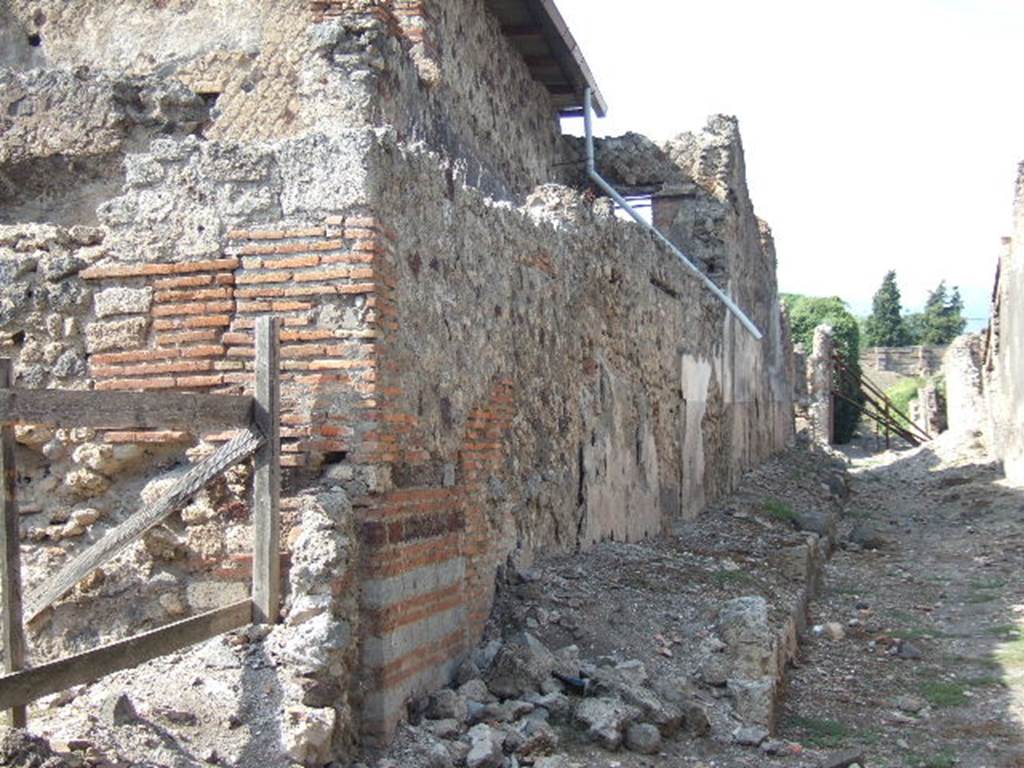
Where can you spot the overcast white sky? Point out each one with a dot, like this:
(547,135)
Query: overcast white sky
(880,134)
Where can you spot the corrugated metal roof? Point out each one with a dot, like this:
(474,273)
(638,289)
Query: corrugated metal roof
(538,31)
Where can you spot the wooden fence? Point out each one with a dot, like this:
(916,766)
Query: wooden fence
(257,418)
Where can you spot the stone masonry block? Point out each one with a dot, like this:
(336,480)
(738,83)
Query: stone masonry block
(123,301)
(116,334)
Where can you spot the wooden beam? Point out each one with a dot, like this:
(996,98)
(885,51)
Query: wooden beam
(200,475)
(540,61)
(196,413)
(522,30)
(19,688)
(10,555)
(266,558)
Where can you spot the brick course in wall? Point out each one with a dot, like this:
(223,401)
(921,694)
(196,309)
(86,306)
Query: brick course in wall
(340,399)
(203,314)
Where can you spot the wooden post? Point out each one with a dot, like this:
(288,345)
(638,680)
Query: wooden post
(266,560)
(10,540)
(888,442)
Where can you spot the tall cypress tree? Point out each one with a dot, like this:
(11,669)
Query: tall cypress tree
(885,328)
(942,319)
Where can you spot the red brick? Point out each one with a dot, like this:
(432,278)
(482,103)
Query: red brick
(180,366)
(208,321)
(203,350)
(291,306)
(296,261)
(358,233)
(358,288)
(242,234)
(254,278)
(200,294)
(192,308)
(348,258)
(316,335)
(308,232)
(194,281)
(161,383)
(254,306)
(213,265)
(310,290)
(186,337)
(263,292)
(228,365)
(141,355)
(301,350)
(200,381)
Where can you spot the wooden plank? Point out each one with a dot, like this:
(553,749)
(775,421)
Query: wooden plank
(19,688)
(522,30)
(242,446)
(10,555)
(193,412)
(266,558)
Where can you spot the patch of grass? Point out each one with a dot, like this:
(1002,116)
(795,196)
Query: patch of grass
(985,681)
(944,694)
(1011,631)
(965,661)
(1011,653)
(779,510)
(987,583)
(946,758)
(821,732)
(978,598)
(869,737)
(914,633)
(902,394)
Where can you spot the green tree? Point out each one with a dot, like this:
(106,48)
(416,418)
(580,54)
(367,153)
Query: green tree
(913,324)
(942,319)
(808,312)
(884,327)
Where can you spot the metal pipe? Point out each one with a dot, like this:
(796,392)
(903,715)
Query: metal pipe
(588,122)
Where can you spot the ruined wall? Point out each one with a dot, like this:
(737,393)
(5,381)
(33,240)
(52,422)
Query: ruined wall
(820,383)
(966,410)
(465,91)
(553,379)
(985,373)
(483,382)
(887,366)
(1004,352)
(441,73)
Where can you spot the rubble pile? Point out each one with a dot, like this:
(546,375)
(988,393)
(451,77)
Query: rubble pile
(657,647)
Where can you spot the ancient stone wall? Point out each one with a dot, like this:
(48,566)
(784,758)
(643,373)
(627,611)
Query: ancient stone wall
(1004,350)
(966,410)
(466,382)
(596,391)
(887,366)
(984,380)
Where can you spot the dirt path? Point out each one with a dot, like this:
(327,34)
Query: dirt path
(931,669)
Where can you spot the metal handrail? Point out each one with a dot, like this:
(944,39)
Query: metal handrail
(625,205)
